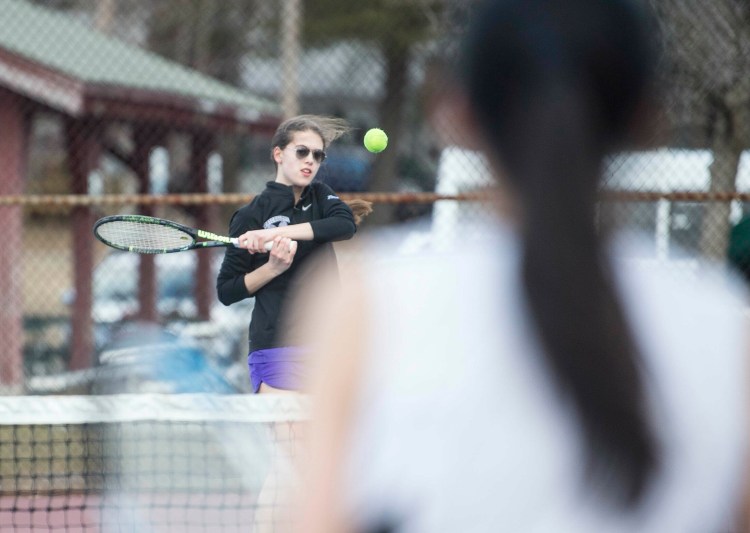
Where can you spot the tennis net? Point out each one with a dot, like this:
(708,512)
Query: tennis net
(148,463)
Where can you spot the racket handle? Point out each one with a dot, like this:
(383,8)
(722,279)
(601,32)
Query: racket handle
(267,246)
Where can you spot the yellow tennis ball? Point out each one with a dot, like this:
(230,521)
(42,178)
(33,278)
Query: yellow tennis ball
(376,140)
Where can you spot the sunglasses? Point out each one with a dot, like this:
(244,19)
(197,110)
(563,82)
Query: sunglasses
(303,151)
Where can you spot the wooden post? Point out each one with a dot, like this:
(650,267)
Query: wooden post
(291,17)
(13,151)
(83,139)
(145,138)
(203,145)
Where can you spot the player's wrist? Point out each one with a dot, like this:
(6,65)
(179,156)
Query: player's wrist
(273,269)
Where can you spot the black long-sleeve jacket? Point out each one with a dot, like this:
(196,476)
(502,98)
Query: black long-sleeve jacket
(331,220)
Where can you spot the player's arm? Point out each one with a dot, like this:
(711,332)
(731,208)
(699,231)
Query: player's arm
(230,282)
(254,241)
(337,222)
(280,259)
(241,274)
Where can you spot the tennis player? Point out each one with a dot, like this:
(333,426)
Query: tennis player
(532,380)
(301,217)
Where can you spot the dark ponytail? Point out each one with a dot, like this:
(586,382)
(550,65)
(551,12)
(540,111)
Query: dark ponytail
(554,85)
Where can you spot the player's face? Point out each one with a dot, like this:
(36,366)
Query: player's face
(294,168)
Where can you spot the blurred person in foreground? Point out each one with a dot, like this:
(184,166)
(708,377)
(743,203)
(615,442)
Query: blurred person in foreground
(530,380)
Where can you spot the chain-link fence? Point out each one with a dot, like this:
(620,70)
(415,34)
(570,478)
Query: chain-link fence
(167,107)
(690,190)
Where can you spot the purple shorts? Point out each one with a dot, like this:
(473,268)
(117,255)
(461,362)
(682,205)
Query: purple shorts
(281,368)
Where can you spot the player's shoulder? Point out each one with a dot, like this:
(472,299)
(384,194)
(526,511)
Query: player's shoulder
(259,201)
(248,210)
(250,213)
(323,191)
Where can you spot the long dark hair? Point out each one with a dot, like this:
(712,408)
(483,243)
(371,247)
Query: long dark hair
(555,86)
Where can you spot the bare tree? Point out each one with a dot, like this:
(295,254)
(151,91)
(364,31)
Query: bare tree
(211,37)
(394,27)
(707,47)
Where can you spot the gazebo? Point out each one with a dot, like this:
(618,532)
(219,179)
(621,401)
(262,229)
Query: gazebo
(53,63)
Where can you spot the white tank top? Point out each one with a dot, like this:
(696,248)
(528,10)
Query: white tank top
(459,428)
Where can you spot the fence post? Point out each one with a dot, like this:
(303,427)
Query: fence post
(290,51)
(84,150)
(13,151)
(146,138)
(203,144)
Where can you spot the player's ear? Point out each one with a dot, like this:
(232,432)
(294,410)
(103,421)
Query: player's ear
(277,154)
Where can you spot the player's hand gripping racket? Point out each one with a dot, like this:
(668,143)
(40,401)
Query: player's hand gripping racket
(149,235)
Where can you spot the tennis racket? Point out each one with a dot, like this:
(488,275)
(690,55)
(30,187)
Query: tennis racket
(150,235)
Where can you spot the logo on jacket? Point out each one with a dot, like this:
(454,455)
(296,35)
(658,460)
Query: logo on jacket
(276,222)
(332,197)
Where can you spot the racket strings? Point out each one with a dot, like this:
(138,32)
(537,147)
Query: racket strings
(144,236)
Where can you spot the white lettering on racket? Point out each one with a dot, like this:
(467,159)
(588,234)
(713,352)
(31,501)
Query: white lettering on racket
(212,236)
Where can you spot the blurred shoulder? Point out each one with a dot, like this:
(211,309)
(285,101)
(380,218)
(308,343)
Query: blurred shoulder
(418,242)
(685,279)
(691,316)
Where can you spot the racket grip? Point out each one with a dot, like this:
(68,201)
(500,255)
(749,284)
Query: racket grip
(269,245)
